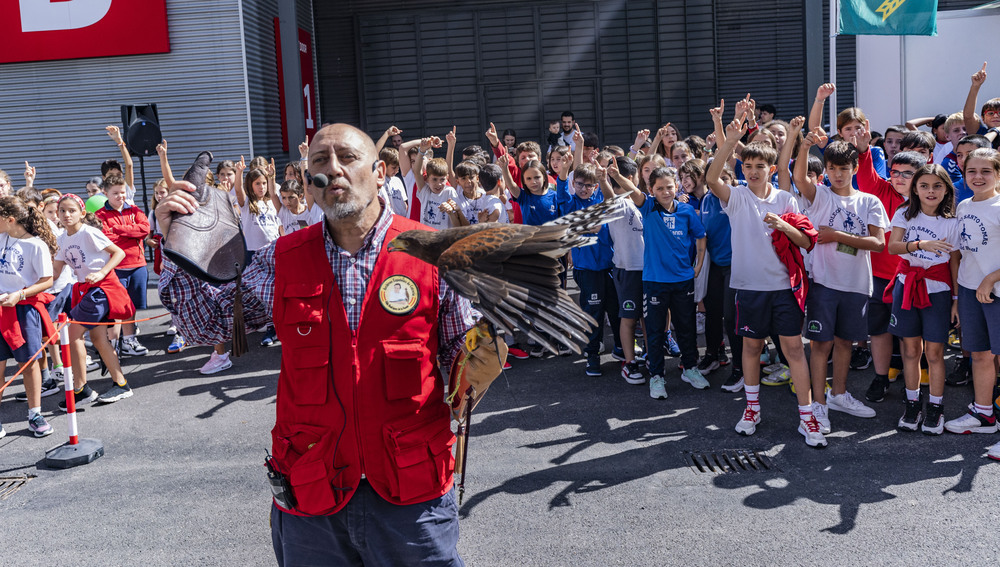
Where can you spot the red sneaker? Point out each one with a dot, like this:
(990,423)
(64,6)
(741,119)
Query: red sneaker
(517,353)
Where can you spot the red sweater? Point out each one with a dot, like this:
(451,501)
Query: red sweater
(126,229)
(791,256)
(915,294)
(883,263)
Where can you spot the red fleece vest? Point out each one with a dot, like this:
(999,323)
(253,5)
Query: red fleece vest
(364,403)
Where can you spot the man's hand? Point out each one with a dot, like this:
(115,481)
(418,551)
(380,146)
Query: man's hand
(29,175)
(179,200)
(825,90)
(979,77)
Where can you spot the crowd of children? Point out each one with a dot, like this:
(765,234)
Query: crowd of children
(873,248)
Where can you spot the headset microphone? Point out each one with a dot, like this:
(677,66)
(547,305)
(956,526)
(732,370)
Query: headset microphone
(320,180)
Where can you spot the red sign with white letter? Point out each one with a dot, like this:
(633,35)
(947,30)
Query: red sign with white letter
(308,82)
(43,30)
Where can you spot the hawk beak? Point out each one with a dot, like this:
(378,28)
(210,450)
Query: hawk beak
(397,245)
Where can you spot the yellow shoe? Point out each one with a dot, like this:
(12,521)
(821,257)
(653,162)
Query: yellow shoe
(924,377)
(894,374)
(954,341)
(826,392)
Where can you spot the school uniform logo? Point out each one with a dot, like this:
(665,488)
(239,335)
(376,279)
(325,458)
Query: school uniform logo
(594,299)
(11,262)
(399,295)
(75,256)
(850,222)
(974,233)
(629,305)
(814,326)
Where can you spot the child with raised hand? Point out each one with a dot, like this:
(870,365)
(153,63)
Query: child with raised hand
(112,167)
(990,109)
(392,191)
(98,297)
(850,122)
(954,131)
(25,271)
(762,280)
(538,203)
(924,234)
(892,192)
(629,248)
(434,203)
(127,227)
(850,224)
(258,216)
(978,288)
(669,228)
(294,210)
(592,265)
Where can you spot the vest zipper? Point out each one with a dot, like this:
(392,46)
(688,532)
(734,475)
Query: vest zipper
(357,420)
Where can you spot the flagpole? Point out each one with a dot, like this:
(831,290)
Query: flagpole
(834,4)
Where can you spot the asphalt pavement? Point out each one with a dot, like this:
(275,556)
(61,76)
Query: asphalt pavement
(563,469)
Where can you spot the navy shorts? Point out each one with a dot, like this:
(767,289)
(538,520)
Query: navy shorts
(628,283)
(980,322)
(879,312)
(134,281)
(31,329)
(760,314)
(61,304)
(832,313)
(92,308)
(931,323)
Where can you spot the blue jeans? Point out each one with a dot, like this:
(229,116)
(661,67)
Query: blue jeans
(678,299)
(597,298)
(369,532)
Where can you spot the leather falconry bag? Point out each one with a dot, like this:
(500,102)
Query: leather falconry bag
(209,243)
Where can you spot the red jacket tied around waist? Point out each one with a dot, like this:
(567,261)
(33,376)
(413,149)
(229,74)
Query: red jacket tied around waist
(791,256)
(915,288)
(10,327)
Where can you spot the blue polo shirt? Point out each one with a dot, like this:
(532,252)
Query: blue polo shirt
(717,229)
(668,237)
(537,209)
(596,257)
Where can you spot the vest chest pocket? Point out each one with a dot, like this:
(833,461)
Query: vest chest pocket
(403,379)
(310,379)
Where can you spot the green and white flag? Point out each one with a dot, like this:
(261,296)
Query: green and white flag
(888,17)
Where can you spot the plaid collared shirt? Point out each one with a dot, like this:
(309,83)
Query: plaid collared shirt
(203,314)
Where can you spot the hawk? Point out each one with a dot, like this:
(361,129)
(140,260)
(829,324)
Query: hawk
(510,272)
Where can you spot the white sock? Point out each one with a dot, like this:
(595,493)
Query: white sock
(32,412)
(805,412)
(936,399)
(983,410)
(127,337)
(912,395)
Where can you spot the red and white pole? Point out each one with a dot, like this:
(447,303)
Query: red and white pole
(68,378)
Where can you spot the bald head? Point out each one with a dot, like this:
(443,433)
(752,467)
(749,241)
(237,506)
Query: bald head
(349,134)
(346,156)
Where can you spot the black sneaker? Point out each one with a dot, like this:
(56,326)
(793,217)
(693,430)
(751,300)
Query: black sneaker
(618,354)
(735,381)
(723,358)
(861,358)
(85,397)
(115,393)
(707,364)
(632,373)
(594,365)
(878,389)
(911,417)
(49,388)
(933,420)
(962,373)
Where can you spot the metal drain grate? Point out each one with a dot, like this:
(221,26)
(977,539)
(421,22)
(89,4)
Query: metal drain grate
(729,461)
(11,484)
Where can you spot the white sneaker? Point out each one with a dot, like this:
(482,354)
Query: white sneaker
(994,452)
(699,324)
(972,422)
(657,391)
(811,431)
(748,424)
(91,365)
(216,363)
(171,331)
(822,415)
(848,404)
(131,347)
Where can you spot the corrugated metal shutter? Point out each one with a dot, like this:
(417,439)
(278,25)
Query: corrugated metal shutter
(54,112)
(761,50)
(685,55)
(262,76)
(847,69)
(336,64)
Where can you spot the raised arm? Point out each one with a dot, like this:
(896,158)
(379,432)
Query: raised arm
(161,151)
(508,179)
(719,129)
(29,175)
(969,110)
(640,138)
(577,147)
(713,179)
(449,156)
(389,132)
(241,196)
(425,148)
(404,156)
(303,165)
(116,135)
(916,123)
(814,138)
(816,113)
(625,185)
(785,156)
(271,172)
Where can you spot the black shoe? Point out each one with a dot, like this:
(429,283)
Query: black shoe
(962,373)
(735,381)
(911,417)
(861,358)
(933,420)
(707,364)
(723,358)
(49,387)
(594,365)
(85,397)
(879,386)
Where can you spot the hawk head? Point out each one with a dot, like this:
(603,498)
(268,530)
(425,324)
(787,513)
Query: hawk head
(423,245)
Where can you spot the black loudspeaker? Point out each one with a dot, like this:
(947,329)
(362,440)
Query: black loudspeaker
(141,128)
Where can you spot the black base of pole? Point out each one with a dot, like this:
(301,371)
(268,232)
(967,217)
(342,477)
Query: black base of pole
(67,456)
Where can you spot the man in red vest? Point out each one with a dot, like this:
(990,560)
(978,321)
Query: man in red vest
(363,436)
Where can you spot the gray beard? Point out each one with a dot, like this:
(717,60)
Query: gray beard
(342,211)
